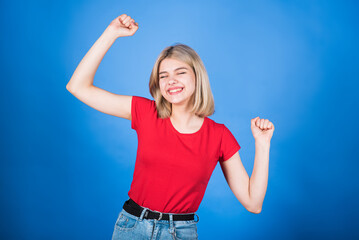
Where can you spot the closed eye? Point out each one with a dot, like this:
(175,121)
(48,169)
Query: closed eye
(179,73)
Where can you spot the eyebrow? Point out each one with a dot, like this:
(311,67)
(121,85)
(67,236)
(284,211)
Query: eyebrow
(175,69)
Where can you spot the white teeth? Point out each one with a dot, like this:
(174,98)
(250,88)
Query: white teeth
(175,90)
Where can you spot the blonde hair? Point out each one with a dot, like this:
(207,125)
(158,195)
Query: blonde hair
(202,99)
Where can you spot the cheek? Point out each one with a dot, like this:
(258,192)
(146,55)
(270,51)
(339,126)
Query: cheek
(193,85)
(162,86)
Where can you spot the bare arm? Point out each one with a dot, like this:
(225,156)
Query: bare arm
(259,179)
(238,180)
(81,82)
(250,192)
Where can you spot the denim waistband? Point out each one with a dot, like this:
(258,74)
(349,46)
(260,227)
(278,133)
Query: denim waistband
(135,209)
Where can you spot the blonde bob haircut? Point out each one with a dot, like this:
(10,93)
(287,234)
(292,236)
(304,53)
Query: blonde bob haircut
(202,99)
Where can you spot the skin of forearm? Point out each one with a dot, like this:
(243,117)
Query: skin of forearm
(259,179)
(85,72)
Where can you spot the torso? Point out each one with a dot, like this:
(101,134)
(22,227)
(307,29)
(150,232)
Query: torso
(173,169)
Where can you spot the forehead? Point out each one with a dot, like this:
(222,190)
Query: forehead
(171,64)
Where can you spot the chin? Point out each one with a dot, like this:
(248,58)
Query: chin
(175,101)
(178,100)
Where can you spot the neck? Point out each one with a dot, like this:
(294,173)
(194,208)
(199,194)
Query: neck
(182,116)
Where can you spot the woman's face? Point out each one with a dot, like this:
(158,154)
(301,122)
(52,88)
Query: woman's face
(177,81)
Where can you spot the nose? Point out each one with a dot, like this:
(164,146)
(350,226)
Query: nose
(172,81)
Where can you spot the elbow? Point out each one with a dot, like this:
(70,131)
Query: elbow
(255,209)
(68,87)
(71,87)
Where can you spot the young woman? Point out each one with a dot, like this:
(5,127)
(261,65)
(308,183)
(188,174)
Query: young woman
(178,145)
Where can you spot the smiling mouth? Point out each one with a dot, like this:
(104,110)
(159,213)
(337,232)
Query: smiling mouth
(175,91)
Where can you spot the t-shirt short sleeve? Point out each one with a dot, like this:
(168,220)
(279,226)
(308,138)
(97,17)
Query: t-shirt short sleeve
(141,108)
(229,145)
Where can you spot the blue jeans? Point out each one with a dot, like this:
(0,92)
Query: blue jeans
(131,227)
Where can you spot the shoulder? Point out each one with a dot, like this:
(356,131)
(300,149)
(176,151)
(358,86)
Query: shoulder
(220,129)
(138,101)
(214,123)
(142,109)
(217,127)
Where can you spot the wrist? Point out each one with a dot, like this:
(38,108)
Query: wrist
(262,143)
(109,34)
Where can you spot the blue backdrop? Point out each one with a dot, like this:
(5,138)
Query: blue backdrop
(66,168)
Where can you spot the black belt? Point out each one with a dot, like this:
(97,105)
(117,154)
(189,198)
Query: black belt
(133,208)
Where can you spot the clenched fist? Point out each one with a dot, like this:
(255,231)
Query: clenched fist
(262,129)
(123,26)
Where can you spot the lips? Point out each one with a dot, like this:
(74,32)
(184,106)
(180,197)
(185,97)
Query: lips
(175,90)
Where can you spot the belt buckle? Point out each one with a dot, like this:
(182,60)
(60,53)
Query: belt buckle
(159,213)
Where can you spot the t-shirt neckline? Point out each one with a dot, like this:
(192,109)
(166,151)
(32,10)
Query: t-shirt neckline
(187,134)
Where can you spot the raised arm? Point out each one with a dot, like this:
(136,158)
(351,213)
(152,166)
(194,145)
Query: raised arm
(250,192)
(81,82)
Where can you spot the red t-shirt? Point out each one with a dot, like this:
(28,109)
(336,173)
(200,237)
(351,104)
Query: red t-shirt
(172,169)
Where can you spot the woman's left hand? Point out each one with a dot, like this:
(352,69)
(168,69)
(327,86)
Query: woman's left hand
(262,129)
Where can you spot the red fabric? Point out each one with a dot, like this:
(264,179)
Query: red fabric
(172,169)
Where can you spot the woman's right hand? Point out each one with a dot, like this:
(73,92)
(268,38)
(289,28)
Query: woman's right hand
(123,26)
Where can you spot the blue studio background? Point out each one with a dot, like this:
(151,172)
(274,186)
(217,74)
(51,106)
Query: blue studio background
(66,168)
